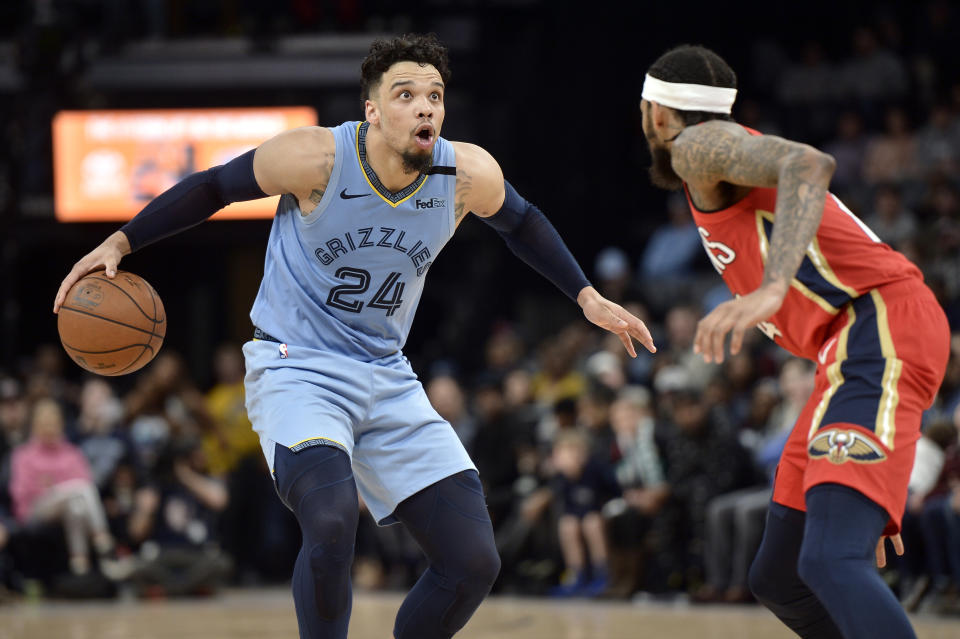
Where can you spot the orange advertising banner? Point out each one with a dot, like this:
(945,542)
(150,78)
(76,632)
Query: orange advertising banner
(109,164)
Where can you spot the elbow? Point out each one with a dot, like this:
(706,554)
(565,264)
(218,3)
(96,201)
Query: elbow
(827,164)
(821,165)
(810,165)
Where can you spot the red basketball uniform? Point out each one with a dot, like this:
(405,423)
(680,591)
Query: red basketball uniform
(880,340)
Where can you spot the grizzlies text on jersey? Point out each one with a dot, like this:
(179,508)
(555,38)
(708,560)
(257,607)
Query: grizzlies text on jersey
(347,277)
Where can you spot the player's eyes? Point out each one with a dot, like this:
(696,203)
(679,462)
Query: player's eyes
(404,94)
(434,96)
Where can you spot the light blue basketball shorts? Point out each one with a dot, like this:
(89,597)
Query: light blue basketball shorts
(377,412)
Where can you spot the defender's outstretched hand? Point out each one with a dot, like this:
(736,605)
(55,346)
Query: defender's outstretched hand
(615,319)
(882,551)
(106,256)
(735,317)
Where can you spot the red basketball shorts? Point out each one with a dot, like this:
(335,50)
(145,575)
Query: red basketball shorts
(878,370)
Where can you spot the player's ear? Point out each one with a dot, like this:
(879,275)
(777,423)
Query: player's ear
(371,112)
(658,115)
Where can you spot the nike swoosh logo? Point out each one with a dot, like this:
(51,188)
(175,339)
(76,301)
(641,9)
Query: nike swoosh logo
(822,355)
(350,196)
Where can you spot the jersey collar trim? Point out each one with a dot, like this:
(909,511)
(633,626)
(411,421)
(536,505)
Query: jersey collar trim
(388,196)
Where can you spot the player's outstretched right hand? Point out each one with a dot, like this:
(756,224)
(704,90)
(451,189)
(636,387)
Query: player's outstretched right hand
(106,256)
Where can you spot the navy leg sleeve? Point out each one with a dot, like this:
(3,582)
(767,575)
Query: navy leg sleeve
(775,583)
(837,560)
(317,485)
(449,521)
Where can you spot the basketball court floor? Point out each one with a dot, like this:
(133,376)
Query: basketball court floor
(268,614)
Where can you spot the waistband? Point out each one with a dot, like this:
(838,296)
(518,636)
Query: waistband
(259,334)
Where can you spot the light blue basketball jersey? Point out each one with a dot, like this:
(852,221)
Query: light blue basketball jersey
(347,278)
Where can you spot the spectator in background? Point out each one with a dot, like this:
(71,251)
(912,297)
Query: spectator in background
(735,520)
(165,406)
(257,529)
(51,481)
(915,569)
(668,262)
(809,89)
(939,526)
(180,553)
(7,527)
(703,461)
(503,351)
(938,147)
(635,522)
(104,447)
(890,219)
(447,398)
(848,149)
(14,414)
(875,76)
(681,326)
(557,378)
(230,440)
(612,271)
(593,416)
(582,486)
(891,155)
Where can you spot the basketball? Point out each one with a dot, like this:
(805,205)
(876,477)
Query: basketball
(112,326)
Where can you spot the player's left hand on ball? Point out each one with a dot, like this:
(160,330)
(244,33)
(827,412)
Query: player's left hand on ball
(615,319)
(882,551)
(735,317)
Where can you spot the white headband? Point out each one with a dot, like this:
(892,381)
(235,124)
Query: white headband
(689,97)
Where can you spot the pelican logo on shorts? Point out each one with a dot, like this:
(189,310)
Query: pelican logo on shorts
(840,446)
(283,351)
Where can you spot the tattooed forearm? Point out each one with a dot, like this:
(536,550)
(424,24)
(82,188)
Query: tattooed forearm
(801,193)
(461,193)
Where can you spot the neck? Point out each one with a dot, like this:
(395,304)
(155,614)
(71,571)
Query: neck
(385,162)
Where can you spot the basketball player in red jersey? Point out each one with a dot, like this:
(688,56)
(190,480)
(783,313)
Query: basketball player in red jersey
(818,282)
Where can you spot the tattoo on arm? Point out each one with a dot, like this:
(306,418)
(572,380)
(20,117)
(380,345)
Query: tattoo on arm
(723,152)
(461,192)
(801,193)
(325,169)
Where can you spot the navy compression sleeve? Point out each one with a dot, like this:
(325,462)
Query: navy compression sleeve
(532,238)
(192,200)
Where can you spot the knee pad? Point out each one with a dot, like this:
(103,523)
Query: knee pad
(317,485)
(451,523)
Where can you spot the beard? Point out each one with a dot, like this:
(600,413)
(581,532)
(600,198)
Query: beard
(661,170)
(416,162)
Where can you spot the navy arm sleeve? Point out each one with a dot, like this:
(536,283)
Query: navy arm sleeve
(532,238)
(192,200)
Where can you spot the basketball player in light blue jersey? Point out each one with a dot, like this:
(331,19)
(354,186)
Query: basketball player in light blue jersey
(365,209)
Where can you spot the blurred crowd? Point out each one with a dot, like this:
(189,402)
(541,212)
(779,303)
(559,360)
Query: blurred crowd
(605,476)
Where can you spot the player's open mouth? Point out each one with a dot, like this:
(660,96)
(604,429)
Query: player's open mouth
(423,135)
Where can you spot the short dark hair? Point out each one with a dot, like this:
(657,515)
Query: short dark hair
(695,64)
(410,47)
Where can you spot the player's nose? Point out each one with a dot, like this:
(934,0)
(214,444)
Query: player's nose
(424,109)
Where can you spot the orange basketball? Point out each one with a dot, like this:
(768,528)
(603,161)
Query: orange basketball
(112,326)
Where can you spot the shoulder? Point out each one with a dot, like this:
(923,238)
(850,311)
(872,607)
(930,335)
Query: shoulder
(295,160)
(479,186)
(306,140)
(475,160)
(701,151)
